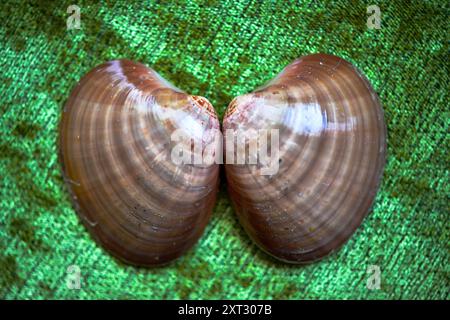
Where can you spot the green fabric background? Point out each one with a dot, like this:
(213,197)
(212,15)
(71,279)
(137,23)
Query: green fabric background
(220,49)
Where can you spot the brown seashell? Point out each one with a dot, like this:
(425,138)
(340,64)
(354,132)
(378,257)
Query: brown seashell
(115,148)
(332,142)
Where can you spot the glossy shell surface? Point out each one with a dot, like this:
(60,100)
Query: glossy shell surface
(115,149)
(332,144)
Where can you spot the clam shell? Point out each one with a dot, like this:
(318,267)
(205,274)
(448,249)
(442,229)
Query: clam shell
(115,149)
(332,142)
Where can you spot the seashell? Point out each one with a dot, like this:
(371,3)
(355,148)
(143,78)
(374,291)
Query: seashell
(115,147)
(332,142)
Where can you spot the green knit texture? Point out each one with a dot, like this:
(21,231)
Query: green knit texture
(221,49)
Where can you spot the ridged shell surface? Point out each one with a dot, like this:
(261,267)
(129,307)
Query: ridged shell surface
(332,142)
(115,148)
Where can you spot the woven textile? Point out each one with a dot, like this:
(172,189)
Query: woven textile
(220,49)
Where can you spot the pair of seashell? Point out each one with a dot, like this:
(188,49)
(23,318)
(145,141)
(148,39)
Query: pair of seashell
(115,149)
